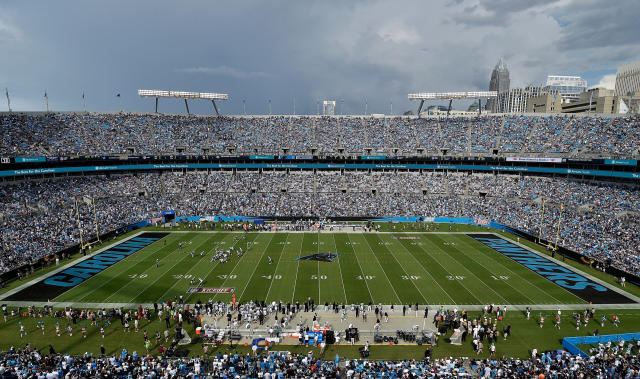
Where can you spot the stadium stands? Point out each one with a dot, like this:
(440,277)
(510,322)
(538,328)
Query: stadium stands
(600,219)
(99,133)
(26,362)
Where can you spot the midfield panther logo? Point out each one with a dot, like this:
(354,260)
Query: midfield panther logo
(323,257)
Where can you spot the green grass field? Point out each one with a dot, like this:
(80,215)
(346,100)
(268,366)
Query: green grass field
(526,335)
(435,268)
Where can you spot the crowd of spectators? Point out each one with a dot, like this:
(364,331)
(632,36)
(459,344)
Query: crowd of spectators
(107,134)
(599,220)
(23,363)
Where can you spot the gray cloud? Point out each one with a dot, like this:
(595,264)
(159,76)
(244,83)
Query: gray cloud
(599,24)
(309,51)
(225,71)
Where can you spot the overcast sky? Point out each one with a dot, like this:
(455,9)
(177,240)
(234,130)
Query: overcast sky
(307,50)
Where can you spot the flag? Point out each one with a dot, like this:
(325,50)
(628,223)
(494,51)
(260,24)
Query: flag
(45,94)
(83,95)
(6,91)
(118,95)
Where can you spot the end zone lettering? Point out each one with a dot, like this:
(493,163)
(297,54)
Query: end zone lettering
(62,281)
(88,268)
(573,282)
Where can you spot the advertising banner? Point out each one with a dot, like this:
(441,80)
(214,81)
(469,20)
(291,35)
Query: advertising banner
(534,159)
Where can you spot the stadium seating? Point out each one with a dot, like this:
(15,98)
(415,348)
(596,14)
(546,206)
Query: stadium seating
(101,133)
(599,219)
(21,362)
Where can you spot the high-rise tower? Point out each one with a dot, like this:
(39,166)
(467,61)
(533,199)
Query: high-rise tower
(499,82)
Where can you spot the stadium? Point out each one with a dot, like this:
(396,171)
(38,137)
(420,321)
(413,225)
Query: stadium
(480,243)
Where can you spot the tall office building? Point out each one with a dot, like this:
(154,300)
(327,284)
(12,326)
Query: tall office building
(628,79)
(499,82)
(515,100)
(628,86)
(569,87)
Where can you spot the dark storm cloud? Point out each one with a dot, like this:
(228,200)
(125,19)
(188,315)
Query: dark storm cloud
(495,13)
(601,25)
(310,51)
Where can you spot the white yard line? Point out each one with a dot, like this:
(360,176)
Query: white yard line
(148,270)
(234,267)
(502,281)
(366,282)
(276,270)
(193,267)
(154,282)
(403,269)
(515,275)
(450,274)
(470,272)
(383,271)
(427,271)
(256,267)
(295,281)
(335,248)
(114,277)
(317,252)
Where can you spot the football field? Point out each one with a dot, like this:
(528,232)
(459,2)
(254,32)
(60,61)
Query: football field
(388,268)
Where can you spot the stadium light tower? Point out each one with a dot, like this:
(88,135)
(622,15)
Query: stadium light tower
(184,95)
(423,96)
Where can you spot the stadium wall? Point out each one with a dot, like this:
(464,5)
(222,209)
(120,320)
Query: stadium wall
(309,166)
(571,343)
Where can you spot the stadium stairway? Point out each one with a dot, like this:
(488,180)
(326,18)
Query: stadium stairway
(525,145)
(499,139)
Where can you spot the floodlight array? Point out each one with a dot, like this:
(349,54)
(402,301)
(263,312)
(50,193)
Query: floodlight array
(183,94)
(452,95)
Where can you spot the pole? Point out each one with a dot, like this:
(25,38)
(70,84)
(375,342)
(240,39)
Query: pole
(318,107)
(420,107)
(6,91)
(365,107)
(558,231)
(294,106)
(95,219)
(269,107)
(590,100)
(541,217)
(215,107)
(121,107)
(244,107)
(84,104)
(156,105)
(79,224)
(391,104)
(46,101)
